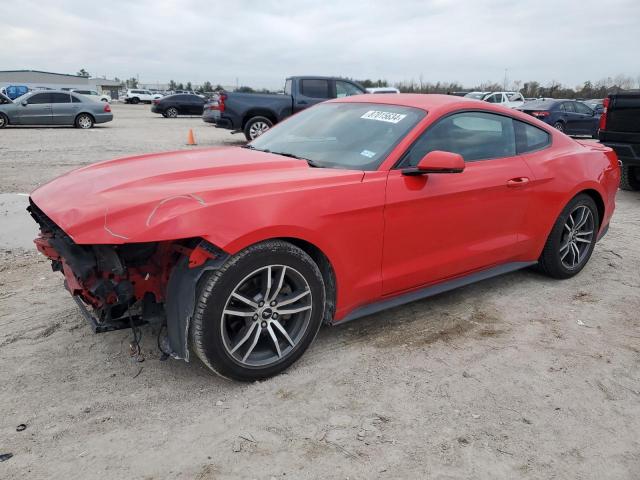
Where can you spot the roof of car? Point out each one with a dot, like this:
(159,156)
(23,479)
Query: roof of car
(418,100)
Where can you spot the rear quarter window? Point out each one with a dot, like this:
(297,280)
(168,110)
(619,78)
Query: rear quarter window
(530,138)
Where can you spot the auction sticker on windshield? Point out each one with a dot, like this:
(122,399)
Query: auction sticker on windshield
(389,117)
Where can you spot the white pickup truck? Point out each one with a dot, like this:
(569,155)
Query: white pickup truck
(135,95)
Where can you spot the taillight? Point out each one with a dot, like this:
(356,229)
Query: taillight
(107,108)
(540,114)
(218,104)
(603,118)
(156,101)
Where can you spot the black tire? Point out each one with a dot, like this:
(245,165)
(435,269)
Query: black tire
(211,328)
(550,261)
(255,127)
(171,112)
(84,121)
(630,178)
(4,121)
(135,100)
(559,126)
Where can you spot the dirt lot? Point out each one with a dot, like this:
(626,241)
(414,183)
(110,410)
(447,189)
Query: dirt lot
(515,377)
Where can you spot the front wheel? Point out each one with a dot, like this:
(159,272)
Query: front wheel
(84,121)
(258,313)
(256,126)
(4,121)
(171,112)
(572,239)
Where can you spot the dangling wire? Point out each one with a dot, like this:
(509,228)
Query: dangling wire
(134,347)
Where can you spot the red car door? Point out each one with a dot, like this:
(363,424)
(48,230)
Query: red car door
(444,225)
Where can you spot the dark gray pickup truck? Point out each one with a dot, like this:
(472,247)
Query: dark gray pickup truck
(254,113)
(620,130)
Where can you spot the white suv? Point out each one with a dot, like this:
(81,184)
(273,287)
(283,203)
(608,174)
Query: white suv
(93,94)
(135,95)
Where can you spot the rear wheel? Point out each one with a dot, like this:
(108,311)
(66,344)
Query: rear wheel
(572,239)
(257,314)
(171,112)
(135,100)
(84,121)
(559,126)
(256,126)
(4,121)
(630,178)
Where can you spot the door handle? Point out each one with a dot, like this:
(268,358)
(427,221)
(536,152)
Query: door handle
(517,182)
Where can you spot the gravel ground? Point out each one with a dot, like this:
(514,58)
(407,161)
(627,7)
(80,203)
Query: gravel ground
(515,377)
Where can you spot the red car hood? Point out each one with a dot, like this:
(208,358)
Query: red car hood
(151,197)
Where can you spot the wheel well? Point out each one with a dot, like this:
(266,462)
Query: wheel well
(328,274)
(599,203)
(256,112)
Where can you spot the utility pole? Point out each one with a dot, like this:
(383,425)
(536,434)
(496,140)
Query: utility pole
(504,85)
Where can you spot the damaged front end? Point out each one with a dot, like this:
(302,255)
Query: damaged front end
(130,284)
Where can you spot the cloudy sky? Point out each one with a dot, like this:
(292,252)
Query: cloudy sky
(260,42)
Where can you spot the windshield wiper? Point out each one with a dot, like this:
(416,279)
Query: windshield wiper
(311,163)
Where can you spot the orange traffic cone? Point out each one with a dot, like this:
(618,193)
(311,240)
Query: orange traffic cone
(190,138)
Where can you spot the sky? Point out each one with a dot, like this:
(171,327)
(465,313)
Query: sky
(258,43)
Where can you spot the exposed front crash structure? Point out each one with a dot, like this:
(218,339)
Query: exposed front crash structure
(132,284)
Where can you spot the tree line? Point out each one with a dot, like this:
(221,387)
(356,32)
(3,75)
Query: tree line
(532,89)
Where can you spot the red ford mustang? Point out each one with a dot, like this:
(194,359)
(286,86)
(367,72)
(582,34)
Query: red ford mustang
(347,208)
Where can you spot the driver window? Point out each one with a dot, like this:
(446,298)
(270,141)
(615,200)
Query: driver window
(474,135)
(39,98)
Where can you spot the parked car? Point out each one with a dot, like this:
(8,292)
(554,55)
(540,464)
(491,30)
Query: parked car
(506,99)
(619,128)
(181,104)
(382,90)
(93,94)
(54,107)
(568,116)
(347,208)
(135,96)
(14,91)
(595,104)
(254,113)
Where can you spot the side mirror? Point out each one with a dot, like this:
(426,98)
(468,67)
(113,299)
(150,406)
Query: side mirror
(23,103)
(437,162)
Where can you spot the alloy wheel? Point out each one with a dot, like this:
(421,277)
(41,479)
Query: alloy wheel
(266,315)
(257,129)
(577,236)
(172,112)
(84,121)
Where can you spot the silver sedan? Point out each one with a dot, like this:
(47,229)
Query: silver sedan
(53,107)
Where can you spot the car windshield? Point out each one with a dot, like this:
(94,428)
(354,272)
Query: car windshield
(355,136)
